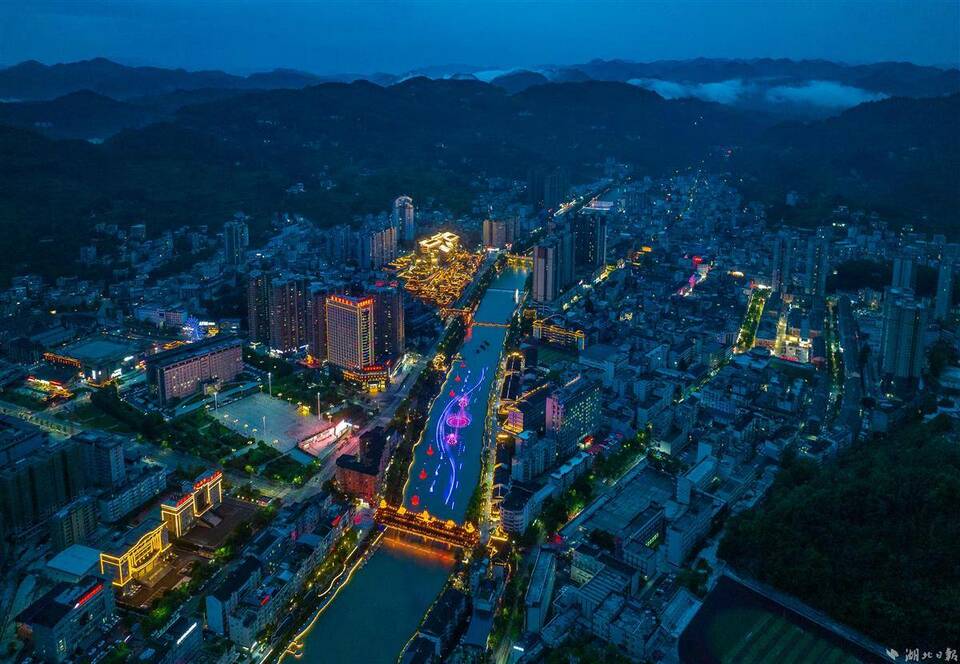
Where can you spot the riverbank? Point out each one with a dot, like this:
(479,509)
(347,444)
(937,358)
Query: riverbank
(392,591)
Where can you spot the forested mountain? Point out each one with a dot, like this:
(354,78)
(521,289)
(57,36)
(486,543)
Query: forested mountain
(872,539)
(81,114)
(898,156)
(200,162)
(32,80)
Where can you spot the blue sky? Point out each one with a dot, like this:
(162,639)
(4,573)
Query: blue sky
(328,37)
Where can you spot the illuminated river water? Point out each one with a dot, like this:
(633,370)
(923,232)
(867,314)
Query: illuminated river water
(377,612)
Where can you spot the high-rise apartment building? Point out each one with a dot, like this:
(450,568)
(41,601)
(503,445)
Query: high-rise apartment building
(904,275)
(546,270)
(902,339)
(33,487)
(499,233)
(781,274)
(73,523)
(337,242)
(288,314)
(547,189)
(389,338)
(818,263)
(590,240)
(258,307)
(566,268)
(404,220)
(103,462)
(317,324)
(236,238)
(378,245)
(944,297)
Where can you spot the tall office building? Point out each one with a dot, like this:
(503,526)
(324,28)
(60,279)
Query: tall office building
(404,220)
(546,270)
(902,337)
(389,338)
(904,275)
(351,337)
(258,307)
(944,298)
(781,274)
(183,371)
(236,238)
(590,240)
(818,256)
(572,413)
(288,314)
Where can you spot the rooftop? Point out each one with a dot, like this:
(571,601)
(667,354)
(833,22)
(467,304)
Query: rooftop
(188,351)
(60,600)
(75,560)
(539,580)
(100,350)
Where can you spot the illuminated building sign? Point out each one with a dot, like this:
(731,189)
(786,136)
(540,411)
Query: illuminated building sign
(186,634)
(350,302)
(89,595)
(62,359)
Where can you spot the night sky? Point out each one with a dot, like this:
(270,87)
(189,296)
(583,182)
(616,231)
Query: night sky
(243,36)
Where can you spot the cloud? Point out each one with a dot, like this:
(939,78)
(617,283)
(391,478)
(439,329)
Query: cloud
(723,92)
(488,75)
(828,94)
(822,94)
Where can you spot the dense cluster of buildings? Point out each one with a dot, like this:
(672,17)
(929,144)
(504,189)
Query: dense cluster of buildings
(572,249)
(658,357)
(721,354)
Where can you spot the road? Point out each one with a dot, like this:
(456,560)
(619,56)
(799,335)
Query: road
(850,347)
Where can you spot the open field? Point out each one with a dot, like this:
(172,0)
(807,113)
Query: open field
(274,421)
(738,626)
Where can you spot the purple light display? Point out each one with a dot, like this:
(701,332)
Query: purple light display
(447,443)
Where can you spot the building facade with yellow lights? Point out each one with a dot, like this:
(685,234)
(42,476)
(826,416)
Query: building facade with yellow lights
(549,332)
(206,493)
(136,555)
(439,270)
(351,339)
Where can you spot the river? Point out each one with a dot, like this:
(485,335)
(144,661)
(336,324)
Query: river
(375,615)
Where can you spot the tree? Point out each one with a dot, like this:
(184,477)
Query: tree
(871,539)
(941,355)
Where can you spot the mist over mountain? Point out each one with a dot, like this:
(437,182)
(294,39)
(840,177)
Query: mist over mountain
(196,155)
(812,88)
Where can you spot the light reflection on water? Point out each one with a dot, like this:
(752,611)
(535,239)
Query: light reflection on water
(375,615)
